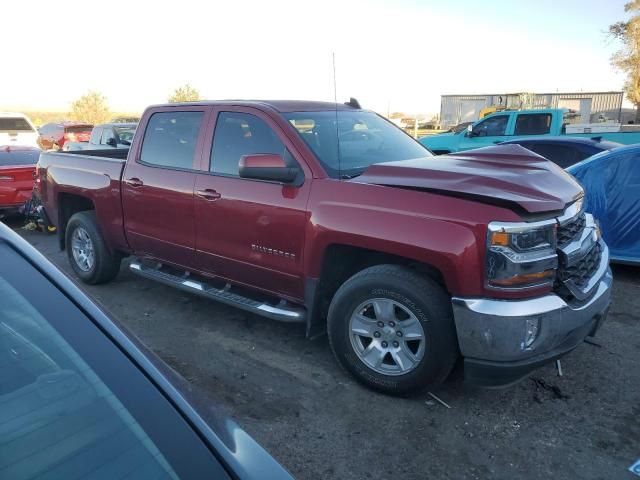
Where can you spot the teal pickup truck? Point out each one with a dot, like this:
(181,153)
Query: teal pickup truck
(507,125)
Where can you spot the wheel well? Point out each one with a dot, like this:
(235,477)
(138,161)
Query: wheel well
(341,262)
(68,205)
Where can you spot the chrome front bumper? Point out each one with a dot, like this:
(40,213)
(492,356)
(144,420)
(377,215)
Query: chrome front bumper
(491,333)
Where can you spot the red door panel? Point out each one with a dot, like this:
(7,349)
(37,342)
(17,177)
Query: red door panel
(253,233)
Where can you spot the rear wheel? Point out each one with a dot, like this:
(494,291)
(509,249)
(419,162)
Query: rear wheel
(393,330)
(87,252)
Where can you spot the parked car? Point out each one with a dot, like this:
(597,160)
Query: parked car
(82,398)
(105,136)
(562,150)
(53,136)
(17,168)
(505,125)
(612,184)
(405,259)
(17,130)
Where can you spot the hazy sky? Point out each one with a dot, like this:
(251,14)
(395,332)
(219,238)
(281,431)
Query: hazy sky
(400,55)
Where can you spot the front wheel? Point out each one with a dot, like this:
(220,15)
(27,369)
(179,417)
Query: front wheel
(393,330)
(87,252)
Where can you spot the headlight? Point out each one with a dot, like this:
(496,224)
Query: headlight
(521,255)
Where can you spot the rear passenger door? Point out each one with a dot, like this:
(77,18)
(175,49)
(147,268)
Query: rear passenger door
(250,231)
(157,186)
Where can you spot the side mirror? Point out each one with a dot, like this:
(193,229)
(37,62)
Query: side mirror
(469,132)
(266,166)
(112,142)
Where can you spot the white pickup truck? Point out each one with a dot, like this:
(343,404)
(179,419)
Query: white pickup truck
(17,129)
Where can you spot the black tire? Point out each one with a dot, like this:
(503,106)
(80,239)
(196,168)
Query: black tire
(105,265)
(421,296)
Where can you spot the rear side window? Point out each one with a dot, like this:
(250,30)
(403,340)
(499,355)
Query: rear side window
(170,139)
(239,134)
(14,124)
(533,124)
(96,133)
(561,155)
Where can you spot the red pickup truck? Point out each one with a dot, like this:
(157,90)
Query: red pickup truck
(333,217)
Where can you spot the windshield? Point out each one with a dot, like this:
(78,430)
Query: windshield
(14,124)
(362,139)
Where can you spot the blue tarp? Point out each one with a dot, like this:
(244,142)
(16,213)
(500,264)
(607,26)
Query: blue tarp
(611,181)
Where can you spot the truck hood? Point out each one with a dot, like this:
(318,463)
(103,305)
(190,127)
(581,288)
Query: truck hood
(508,174)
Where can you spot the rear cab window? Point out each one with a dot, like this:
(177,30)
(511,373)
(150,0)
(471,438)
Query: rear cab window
(533,124)
(15,124)
(170,139)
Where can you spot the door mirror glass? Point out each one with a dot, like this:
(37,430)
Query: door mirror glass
(266,166)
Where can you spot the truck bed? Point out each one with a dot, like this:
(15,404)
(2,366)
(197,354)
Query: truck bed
(99,173)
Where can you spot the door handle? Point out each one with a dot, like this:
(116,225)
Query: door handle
(134,182)
(208,194)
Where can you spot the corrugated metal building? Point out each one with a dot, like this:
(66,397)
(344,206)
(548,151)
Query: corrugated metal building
(593,106)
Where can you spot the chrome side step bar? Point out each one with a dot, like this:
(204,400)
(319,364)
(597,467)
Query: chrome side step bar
(282,311)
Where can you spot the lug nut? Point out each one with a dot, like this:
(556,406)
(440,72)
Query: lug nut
(396,344)
(380,324)
(392,323)
(376,334)
(399,333)
(384,344)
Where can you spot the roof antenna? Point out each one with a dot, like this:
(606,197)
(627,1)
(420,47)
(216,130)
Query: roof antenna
(335,99)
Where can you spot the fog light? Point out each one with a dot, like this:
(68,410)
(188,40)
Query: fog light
(532,327)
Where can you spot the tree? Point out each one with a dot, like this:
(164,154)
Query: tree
(91,108)
(627,59)
(186,93)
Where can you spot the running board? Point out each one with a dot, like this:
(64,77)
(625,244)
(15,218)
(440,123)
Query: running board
(283,311)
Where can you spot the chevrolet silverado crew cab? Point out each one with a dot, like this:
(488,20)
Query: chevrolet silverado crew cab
(330,216)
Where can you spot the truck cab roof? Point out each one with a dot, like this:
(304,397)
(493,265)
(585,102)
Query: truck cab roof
(282,106)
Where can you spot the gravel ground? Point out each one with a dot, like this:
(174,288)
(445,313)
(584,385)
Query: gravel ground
(292,396)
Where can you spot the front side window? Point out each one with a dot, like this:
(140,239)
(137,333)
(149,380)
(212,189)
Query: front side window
(491,127)
(361,139)
(170,139)
(533,124)
(72,405)
(239,134)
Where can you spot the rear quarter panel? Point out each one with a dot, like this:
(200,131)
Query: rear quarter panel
(91,177)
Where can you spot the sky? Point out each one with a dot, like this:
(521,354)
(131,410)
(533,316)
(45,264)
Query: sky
(390,55)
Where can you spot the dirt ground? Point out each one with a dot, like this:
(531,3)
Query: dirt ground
(291,395)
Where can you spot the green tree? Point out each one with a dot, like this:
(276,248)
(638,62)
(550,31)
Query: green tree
(91,108)
(627,59)
(186,93)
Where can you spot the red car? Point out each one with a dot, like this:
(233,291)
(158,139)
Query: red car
(53,136)
(17,165)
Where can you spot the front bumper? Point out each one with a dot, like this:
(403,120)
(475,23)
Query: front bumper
(491,333)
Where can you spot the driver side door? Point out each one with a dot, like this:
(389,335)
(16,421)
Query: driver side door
(487,132)
(250,231)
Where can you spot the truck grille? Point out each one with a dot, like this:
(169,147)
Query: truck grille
(581,272)
(571,229)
